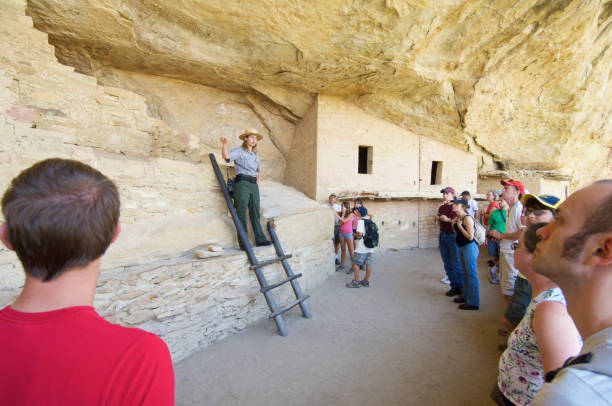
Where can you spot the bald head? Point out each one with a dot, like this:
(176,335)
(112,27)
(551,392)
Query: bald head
(596,203)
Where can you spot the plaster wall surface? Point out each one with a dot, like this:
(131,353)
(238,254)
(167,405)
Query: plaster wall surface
(302,163)
(342,128)
(457,168)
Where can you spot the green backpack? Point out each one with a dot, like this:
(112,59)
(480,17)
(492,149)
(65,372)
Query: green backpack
(370,239)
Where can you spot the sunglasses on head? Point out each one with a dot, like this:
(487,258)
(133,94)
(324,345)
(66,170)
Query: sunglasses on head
(515,245)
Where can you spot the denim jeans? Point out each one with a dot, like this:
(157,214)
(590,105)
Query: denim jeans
(450,257)
(469,256)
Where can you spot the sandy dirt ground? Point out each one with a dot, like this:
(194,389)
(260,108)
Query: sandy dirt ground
(399,342)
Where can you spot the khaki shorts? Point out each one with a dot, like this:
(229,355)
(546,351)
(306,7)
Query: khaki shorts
(508,273)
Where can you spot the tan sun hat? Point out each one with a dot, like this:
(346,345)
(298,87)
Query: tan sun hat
(252,131)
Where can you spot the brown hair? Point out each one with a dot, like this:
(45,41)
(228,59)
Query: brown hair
(246,147)
(347,206)
(60,214)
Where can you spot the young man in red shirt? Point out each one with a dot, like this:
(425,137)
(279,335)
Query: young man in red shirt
(60,217)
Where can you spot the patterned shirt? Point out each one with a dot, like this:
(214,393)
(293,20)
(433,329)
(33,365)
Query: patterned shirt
(521,373)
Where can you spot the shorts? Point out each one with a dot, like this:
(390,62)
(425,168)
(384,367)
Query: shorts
(519,301)
(337,234)
(346,236)
(507,273)
(493,247)
(362,258)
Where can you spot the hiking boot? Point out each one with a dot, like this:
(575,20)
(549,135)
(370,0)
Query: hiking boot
(353,284)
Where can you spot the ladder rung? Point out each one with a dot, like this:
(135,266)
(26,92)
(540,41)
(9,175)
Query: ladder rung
(291,306)
(276,285)
(270,261)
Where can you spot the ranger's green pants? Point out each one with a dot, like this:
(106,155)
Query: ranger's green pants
(246,195)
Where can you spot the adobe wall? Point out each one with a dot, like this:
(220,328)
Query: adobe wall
(401,172)
(171,201)
(533,184)
(302,163)
(342,128)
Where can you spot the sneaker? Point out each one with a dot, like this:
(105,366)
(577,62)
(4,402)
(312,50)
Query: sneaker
(337,261)
(494,277)
(445,280)
(353,284)
(365,284)
(339,267)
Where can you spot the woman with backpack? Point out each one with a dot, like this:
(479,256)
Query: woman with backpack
(463,227)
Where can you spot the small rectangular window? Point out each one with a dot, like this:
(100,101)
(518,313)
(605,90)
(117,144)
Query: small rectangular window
(365,159)
(436,173)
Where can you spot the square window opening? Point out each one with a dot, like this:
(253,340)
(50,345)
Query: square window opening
(365,159)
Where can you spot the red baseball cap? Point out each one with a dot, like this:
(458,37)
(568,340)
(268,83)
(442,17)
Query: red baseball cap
(448,189)
(514,183)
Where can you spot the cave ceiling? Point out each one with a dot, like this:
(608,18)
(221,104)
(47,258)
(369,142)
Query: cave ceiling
(523,84)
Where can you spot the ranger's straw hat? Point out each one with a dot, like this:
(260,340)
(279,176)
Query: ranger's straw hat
(252,131)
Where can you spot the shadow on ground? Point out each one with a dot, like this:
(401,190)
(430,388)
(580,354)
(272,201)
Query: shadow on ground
(399,342)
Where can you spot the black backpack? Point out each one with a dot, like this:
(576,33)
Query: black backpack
(370,239)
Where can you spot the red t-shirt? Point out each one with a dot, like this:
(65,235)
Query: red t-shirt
(73,356)
(446,209)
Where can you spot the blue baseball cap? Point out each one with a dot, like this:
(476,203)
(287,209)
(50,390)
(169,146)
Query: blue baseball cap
(546,200)
(460,201)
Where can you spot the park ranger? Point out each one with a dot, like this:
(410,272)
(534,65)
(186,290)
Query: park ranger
(246,189)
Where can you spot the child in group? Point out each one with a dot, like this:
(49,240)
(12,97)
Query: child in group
(356,204)
(346,233)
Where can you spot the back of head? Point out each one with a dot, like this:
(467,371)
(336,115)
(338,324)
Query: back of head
(60,214)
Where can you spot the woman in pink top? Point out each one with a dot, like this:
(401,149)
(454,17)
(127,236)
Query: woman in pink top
(346,233)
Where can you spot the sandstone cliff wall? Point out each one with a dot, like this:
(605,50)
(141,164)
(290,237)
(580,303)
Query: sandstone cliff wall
(522,84)
(171,202)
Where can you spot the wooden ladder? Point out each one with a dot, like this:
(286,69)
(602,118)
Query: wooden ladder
(257,266)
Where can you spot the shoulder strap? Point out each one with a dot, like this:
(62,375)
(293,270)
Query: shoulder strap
(581,359)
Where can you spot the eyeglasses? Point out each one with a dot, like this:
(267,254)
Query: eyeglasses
(536,212)
(515,245)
